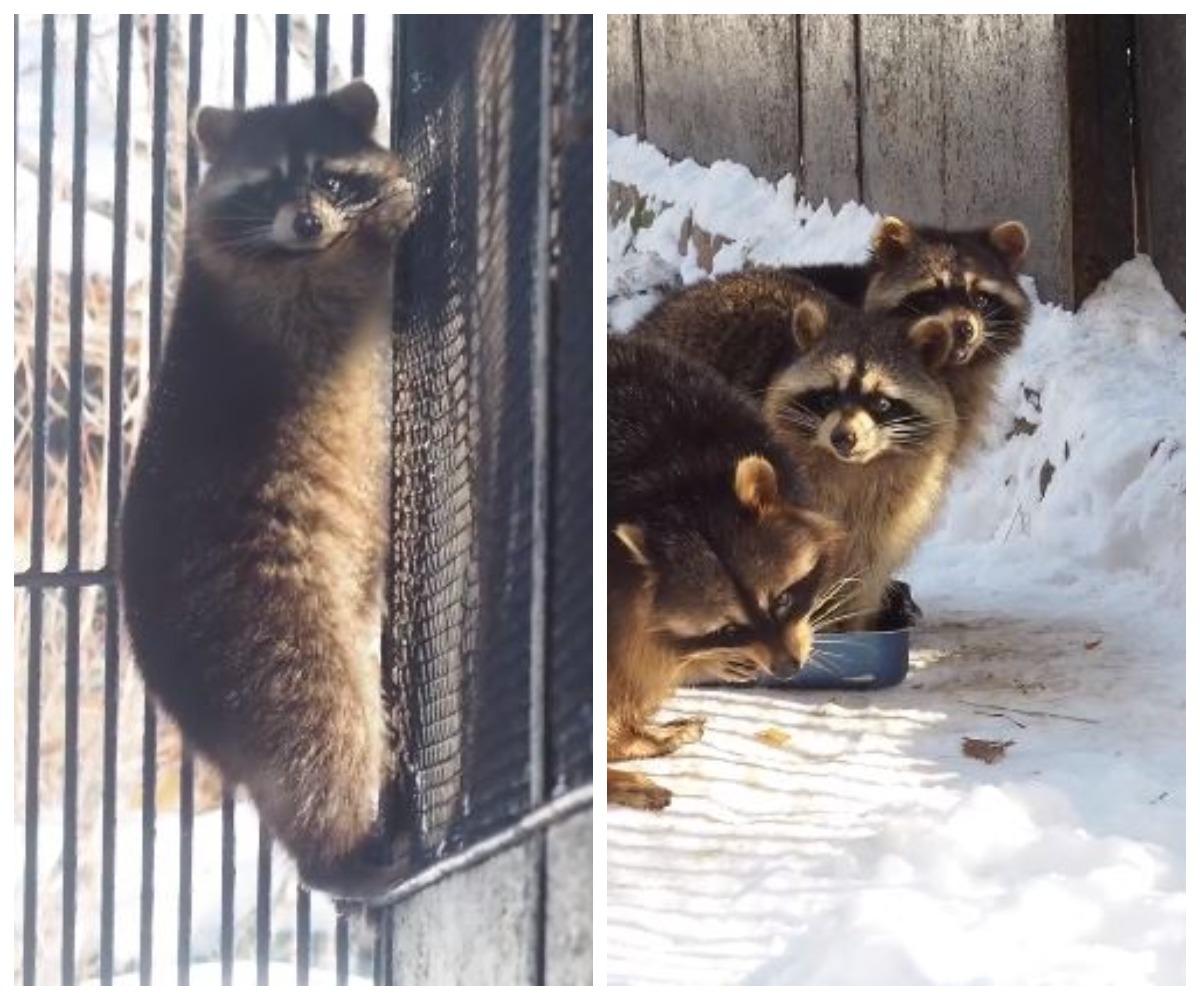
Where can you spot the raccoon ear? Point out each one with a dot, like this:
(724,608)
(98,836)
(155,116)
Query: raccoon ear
(933,339)
(212,129)
(755,484)
(893,239)
(1012,240)
(809,320)
(634,540)
(357,101)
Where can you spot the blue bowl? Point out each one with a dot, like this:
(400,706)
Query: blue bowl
(860,660)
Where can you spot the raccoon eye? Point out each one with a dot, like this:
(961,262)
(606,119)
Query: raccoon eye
(730,635)
(982,300)
(880,405)
(331,184)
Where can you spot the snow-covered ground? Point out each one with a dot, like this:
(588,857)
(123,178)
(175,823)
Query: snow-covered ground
(867,848)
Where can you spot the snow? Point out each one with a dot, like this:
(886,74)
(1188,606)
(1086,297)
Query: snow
(868,850)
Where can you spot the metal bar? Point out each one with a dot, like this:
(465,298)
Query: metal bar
(228,880)
(41,320)
(158,187)
(187,760)
(303,935)
(358,45)
(33,696)
(531,824)
(321,81)
(343,949)
(112,620)
(70,803)
(282,33)
(64,578)
(228,800)
(540,537)
(263,910)
(239,61)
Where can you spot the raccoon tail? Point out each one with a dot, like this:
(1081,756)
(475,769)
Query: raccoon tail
(368,874)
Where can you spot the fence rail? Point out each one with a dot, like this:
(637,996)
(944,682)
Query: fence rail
(491,307)
(953,120)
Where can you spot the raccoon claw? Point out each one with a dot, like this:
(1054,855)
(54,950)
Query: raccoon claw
(899,610)
(686,730)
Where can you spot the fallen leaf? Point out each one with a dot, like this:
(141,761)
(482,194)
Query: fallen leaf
(773,737)
(988,751)
(1092,644)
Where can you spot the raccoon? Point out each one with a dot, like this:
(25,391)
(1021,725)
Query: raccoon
(714,557)
(861,401)
(967,278)
(253,530)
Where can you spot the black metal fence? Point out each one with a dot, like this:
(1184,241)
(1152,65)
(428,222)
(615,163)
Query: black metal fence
(487,651)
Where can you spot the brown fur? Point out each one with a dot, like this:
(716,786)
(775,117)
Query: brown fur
(254,525)
(714,558)
(773,335)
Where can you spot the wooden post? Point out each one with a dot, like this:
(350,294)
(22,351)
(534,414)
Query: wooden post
(1160,75)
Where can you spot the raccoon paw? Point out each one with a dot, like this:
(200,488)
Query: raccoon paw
(723,673)
(628,788)
(899,610)
(686,730)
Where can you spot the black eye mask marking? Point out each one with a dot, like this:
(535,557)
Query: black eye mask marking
(345,188)
(796,601)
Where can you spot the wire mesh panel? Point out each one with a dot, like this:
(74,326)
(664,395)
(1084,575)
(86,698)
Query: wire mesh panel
(477,443)
(139,862)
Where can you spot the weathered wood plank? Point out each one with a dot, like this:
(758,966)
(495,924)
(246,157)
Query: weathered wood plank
(903,139)
(723,87)
(829,108)
(622,74)
(1160,83)
(1101,152)
(1006,134)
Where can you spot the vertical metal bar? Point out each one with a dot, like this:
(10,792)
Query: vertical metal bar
(70,858)
(343,949)
(321,80)
(33,695)
(358,45)
(187,760)
(263,912)
(540,537)
(158,211)
(303,935)
(239,61)
(228,877)
(116,383)
(282,33)
(228,801)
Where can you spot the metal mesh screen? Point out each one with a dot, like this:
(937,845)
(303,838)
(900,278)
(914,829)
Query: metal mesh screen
(137,861)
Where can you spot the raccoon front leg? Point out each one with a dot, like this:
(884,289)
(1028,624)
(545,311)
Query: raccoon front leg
(655,740)
(628,788)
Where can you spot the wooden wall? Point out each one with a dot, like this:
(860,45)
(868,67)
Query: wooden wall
(952,120)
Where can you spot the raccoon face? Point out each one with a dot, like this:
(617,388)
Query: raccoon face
(292,181)
(863,393)
(966,279)
(736,589)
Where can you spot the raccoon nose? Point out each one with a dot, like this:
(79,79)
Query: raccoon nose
(963,331)
(306,225)
(785,667)
(843,440)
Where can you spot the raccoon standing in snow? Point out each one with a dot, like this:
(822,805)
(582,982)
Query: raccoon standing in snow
(254,525)
(967,278)
(861,402)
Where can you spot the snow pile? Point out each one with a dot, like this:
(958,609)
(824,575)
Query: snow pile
(868,849)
